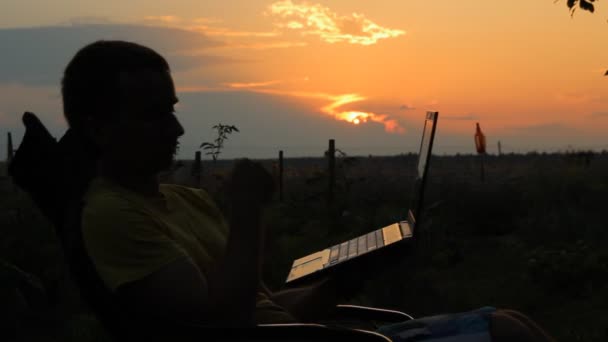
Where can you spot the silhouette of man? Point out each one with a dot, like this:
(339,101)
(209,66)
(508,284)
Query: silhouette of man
(167,251)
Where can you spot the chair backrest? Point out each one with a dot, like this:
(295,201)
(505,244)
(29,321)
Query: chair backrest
(29,167)
(92,288)
(55,175)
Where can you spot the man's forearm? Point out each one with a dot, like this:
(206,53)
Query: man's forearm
(234,288)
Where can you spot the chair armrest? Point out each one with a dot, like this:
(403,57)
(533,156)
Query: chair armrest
(365,313)
(276,332)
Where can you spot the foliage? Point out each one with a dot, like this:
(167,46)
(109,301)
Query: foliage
(215,148)
(586,5)
(532,238)
(509,242)
(575,269)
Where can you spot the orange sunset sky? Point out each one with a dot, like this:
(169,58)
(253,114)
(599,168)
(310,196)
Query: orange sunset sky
(292,74)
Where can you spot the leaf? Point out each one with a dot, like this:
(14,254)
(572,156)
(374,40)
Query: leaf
(571,3)
(222,135)
(586,5)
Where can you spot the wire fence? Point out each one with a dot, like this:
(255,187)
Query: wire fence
(299,151)
(187,151)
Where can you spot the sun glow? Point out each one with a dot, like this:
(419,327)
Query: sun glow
(354,117)
(358,117)
(391,125)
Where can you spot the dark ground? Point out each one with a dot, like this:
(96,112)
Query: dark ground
(531,237)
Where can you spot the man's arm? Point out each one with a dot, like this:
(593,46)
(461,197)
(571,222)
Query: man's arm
(177,291)
(317,300)
(181,292)
(308,303)
(234,285)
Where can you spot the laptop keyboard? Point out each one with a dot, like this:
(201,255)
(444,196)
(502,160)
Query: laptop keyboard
(357,246)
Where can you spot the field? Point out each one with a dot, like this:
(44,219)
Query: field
(530,237)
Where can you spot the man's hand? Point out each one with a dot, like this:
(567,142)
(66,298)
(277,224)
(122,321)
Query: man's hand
(249,188)
(317,301)
(311,303)
(250,182)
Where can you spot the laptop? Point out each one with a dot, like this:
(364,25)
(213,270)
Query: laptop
(378,241)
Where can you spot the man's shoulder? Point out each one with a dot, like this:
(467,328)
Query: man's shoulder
(196,199)
(102,200)
(188,192)
(108,211)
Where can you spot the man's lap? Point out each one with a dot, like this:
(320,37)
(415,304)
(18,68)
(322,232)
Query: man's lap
(470,326)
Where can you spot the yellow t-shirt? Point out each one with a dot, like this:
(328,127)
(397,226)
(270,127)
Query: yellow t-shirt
(129,236)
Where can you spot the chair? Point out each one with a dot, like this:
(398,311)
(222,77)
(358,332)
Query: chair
(64,210)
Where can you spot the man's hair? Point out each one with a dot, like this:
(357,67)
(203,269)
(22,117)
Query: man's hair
(91,81)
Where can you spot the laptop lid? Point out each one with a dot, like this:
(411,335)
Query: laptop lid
(422,167)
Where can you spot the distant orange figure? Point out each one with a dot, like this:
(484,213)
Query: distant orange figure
(480,140)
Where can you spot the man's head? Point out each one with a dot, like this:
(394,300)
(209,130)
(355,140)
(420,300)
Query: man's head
(121,96)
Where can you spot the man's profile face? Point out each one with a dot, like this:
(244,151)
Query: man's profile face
(144,137)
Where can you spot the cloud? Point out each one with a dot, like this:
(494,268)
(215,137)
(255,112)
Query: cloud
(252,84)
(318,20)
(549,129)
(577,98)
(38,55)
(6,120)
(162,19)
(226,32)
(199,89)
(265,46)
(406,107)
(358,117)
(269,122)
(178,22)
(88,20)
(207,26)
(469,117)
(335,110)
(539,126)
(599,115)
(232,38)
(205,20)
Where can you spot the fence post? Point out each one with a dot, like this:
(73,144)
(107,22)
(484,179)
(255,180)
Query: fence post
(499,148)
(480,146)
(281,176)
(197,168)
(483,170)
(9,149)
(331,157)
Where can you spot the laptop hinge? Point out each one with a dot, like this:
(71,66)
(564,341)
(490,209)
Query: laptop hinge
(406,229)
